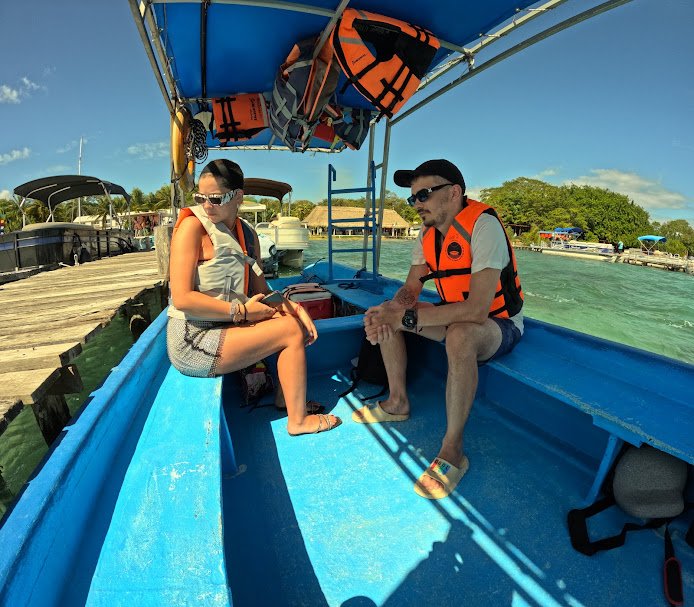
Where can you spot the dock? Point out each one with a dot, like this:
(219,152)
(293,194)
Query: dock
(46,318)
(663,262)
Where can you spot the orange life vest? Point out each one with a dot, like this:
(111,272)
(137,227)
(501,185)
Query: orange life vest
(451,264)
(239,117)
(244,235)
(403,53)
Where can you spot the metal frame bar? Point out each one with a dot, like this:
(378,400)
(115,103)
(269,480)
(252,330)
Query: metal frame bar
(571,21)
(142,29)
(329,28)
(489,38)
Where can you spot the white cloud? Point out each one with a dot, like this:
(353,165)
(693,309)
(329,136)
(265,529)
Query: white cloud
(49,70)
(8,95)
(5,195)
(14,155)
(548,172)
(647,193)
(146,151)
(28,85)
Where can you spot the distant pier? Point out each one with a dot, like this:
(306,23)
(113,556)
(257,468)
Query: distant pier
(45,320)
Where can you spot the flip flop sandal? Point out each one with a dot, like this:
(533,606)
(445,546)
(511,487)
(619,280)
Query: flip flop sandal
(445,473)
(376,415)
(324,425)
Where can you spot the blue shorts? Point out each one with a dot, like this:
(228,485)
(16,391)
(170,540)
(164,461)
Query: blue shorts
(510,336)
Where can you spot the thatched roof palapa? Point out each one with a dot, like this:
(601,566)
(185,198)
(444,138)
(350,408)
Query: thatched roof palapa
(318,218)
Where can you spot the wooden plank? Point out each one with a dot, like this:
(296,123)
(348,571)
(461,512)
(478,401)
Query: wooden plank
(14,299)
(38,357)
(78,313)
(9,409)
(28,386)
(82,332)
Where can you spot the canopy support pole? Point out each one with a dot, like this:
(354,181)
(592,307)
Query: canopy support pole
(140,22)
(384,177)
(203,46)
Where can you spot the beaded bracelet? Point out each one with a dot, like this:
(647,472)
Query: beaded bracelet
(235,311)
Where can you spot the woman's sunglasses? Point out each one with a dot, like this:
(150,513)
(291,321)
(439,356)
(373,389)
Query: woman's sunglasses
(424,193)
(215,199)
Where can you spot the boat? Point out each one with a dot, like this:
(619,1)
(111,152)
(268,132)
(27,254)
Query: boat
(48,244)
(287,232)
(166,490)
(564,241)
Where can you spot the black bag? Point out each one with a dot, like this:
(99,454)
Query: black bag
(370,368)
(648,484)
(256,382)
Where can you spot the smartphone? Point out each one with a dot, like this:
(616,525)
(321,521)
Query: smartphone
(273,298)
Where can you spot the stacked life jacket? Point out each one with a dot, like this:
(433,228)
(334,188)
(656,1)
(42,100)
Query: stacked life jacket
(450,262)
(347,125)
(302,102)
(226,276)
(239,117)
(389,76)
(302,89)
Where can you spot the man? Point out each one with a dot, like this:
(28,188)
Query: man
(464,249)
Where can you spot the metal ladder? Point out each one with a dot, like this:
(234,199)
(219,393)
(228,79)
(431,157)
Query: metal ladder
(370,223)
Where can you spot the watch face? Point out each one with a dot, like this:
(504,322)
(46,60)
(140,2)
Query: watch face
(409,320)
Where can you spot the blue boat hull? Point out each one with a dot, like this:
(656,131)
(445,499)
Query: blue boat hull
(332,519)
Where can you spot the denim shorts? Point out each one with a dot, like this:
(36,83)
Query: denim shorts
(510,336)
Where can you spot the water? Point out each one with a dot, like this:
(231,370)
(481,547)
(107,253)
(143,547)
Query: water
(643,307)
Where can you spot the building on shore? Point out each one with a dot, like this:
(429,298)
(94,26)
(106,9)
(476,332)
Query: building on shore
(316,221)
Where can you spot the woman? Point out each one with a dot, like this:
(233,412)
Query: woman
(214,326)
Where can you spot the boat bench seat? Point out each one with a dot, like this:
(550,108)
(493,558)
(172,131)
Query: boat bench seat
(636,397)
(164,545)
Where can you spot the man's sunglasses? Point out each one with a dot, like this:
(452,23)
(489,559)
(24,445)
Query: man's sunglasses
(424,193)
(215,199)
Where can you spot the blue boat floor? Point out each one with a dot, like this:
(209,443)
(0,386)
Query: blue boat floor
(332,519)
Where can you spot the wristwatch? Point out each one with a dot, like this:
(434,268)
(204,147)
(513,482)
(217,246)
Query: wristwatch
(409,319)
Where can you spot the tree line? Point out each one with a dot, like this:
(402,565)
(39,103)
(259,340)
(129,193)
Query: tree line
(524,205)
(603,215)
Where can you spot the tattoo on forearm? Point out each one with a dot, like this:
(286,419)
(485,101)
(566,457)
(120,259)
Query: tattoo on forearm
(405,297)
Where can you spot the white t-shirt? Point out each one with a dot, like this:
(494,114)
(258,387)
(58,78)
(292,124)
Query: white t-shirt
(488,250)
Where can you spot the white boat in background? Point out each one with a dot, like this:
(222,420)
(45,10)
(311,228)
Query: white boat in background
(268,255)
(562,241)
(289,236)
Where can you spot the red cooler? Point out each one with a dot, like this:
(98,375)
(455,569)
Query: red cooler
(316,300)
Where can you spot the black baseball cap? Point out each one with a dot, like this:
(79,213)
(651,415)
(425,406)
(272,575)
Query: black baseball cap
(440,168)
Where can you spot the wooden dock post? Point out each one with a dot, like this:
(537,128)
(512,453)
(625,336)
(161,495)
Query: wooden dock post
(162,243)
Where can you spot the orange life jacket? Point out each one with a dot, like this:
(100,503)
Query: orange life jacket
(239,117)
(403,53)
(244,235)
(451,264)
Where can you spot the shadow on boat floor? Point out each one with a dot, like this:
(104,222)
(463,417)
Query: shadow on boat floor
(332,519)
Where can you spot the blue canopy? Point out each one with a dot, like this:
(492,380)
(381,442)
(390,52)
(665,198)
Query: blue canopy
(244,43)
(653,238)
(569,230)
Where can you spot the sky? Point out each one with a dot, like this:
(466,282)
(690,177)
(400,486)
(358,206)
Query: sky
(609,103)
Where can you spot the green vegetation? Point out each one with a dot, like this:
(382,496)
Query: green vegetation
(602,214)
